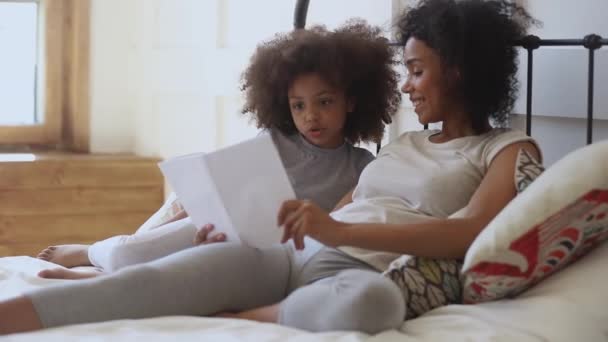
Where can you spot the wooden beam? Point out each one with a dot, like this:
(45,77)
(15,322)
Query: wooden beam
(79,201)
(74,198)
(63,229)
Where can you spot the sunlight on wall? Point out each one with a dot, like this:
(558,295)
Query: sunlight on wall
(184,60)
(164,73)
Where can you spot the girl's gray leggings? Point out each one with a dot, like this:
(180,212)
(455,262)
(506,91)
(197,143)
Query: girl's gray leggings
(328,291)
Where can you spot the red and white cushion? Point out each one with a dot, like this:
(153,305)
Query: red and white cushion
(559,218)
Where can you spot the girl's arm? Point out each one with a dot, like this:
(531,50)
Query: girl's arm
(444,238)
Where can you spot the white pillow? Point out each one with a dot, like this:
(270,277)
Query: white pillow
(543,229)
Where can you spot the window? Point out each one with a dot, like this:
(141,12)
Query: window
(18,38)
(44,73)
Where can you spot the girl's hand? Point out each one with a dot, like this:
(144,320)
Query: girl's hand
(202,236)
(300,218)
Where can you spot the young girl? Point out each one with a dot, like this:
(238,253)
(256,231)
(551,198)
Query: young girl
(317,92)
(461,72)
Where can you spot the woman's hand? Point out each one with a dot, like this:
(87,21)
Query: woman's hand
(202,236)
(300,218)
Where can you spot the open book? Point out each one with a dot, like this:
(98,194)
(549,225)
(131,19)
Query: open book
(239,189)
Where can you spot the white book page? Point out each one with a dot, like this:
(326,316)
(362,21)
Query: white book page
(190,179)
(252,182)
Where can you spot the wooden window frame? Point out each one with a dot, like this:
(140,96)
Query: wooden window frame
(65,27)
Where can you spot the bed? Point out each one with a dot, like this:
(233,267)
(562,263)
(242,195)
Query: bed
(570,305)
(565,307)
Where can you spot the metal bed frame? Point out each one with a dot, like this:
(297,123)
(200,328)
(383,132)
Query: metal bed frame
(591,42)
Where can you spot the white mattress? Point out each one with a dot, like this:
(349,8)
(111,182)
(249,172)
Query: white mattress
(567,307)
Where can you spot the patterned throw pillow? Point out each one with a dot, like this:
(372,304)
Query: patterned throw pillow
(527,169)
(558,219)
(426,283)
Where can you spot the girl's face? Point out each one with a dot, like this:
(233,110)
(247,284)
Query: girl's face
(426,82)
(318,110)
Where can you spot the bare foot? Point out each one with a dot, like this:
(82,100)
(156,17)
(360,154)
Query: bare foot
(67,255)
(64,273)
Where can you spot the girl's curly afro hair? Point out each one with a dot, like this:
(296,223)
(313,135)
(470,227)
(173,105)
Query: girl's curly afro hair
(355,58)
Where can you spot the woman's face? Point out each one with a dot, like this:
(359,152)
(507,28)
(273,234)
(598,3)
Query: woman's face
(426,82)
(318,110)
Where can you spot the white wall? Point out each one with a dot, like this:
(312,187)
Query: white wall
(560,76)
(112,127)
(558,136)
(172,100)
(165,72)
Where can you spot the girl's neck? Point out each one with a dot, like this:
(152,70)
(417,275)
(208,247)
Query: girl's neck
(331,147)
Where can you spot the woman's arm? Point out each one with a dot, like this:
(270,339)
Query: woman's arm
(437,238)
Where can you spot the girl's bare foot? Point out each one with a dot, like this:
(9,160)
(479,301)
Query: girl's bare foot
(67,255)
(64,273)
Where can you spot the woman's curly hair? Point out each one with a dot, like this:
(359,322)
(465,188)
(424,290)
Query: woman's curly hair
(477,38)
(355,57)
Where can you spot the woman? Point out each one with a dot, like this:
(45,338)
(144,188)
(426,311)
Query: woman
(461,72)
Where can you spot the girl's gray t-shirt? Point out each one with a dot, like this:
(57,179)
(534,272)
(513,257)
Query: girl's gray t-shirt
(318,174)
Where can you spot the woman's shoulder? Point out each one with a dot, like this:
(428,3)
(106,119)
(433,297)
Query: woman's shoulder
(498,139)
(504,136)
(505,132)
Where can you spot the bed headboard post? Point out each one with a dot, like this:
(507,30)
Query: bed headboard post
(299,14)
(591,42)
(530,43)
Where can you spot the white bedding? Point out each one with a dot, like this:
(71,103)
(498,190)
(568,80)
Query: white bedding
(570,306)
